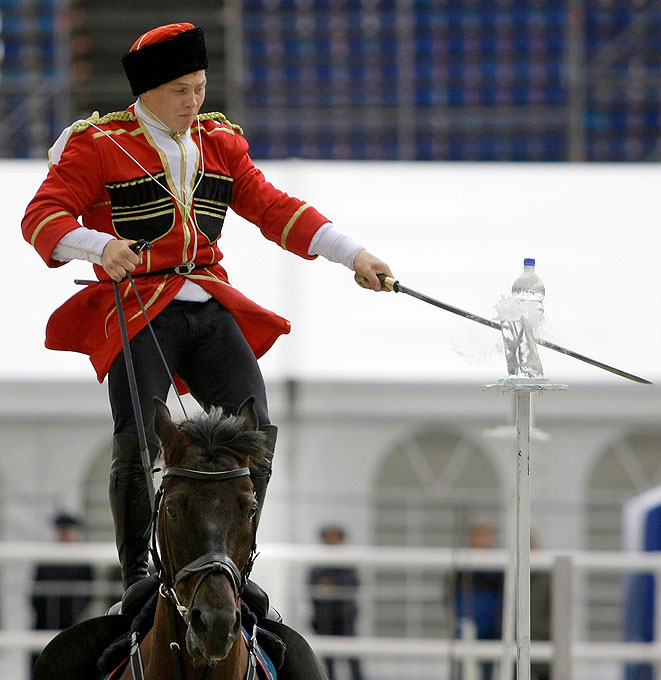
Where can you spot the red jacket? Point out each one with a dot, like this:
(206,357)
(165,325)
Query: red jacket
(96,180)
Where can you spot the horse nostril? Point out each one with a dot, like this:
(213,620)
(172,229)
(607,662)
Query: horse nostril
(217,622)
(197,621)
(237,623)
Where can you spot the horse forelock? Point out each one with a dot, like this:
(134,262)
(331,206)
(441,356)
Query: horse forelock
(214,438)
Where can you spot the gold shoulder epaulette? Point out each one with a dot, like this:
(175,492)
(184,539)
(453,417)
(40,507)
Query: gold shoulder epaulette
(82,125)
(217,115)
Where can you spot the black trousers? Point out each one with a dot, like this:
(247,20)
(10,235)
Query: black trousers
(203,344)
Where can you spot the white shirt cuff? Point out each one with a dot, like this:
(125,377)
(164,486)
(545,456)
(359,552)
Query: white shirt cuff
(334,246)
(81,244)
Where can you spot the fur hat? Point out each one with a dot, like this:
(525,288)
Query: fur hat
(164,54)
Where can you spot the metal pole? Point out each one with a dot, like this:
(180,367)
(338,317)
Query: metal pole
(523,400)
(509,593)
(523,389)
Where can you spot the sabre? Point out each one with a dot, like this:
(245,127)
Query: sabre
(397,287)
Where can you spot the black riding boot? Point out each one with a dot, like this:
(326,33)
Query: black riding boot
(256,599)
(261,480)
(129,502)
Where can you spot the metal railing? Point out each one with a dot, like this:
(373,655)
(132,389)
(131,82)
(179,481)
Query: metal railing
(276,563)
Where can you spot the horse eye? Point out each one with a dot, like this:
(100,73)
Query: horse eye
(253,511)
(171,510)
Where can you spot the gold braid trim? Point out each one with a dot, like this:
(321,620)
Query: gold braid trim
(217,115)
(82,125)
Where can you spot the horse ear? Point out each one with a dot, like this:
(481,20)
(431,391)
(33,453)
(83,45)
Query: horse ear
(163,426)
(249,411)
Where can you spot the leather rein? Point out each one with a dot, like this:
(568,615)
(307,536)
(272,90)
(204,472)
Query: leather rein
(206,564)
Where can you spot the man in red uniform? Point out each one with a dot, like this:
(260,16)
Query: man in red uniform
(163,172)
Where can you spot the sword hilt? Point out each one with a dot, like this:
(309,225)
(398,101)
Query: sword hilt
(387,281)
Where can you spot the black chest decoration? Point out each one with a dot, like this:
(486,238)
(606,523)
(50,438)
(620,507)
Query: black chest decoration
(144,208)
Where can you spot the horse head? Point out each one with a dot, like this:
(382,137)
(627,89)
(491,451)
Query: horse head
(205,521)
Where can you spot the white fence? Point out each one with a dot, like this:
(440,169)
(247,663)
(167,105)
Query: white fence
(571,656)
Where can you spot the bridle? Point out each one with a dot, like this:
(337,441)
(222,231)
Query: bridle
(207,564)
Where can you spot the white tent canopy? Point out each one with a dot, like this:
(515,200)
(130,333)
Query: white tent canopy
(455,231)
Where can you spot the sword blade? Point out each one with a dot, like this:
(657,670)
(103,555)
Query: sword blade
(399,288)
(593,362)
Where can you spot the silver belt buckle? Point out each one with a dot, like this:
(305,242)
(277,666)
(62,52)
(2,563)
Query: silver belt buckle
(184,268)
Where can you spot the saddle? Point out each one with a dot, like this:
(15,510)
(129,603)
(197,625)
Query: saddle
(91,648)
(74,652)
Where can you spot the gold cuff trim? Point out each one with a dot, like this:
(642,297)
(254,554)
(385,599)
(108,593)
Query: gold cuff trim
(44,222)
(291,223)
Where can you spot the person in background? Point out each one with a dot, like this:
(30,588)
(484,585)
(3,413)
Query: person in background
(165,173)
(61,592)
(479,597)
(333,592)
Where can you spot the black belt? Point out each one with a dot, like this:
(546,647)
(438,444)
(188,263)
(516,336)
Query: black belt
(182,269)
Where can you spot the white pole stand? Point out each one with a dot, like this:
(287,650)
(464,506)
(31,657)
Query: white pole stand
(523,389)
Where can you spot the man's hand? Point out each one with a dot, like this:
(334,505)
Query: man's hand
(118,259)
(368,266)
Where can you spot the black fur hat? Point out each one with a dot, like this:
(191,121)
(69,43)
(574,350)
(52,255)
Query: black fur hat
(163,54)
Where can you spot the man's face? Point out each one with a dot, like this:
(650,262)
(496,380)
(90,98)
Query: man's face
(178,102)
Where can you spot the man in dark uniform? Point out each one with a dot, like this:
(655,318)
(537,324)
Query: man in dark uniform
(334,608)
(58,598)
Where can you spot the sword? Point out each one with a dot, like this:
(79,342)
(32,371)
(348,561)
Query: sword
(397,287)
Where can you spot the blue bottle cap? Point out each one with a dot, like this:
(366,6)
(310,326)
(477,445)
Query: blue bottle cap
(529,262)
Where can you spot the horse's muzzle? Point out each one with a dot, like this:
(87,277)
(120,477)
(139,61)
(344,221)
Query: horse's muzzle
(212,632)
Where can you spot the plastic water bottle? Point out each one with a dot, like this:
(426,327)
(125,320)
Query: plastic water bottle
(521,316)
(528,288)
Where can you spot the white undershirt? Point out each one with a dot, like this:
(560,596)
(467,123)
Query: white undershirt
(88,244)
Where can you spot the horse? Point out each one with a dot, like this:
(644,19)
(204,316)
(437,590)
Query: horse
(203,546)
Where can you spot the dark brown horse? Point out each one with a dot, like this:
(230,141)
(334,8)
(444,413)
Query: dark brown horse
(205,530)
(203,548)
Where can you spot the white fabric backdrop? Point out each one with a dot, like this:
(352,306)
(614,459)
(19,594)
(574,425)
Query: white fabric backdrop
(455,231)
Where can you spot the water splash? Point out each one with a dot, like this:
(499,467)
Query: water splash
(521,321)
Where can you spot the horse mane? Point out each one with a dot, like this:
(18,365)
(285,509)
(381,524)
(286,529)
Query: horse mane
(218,436)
